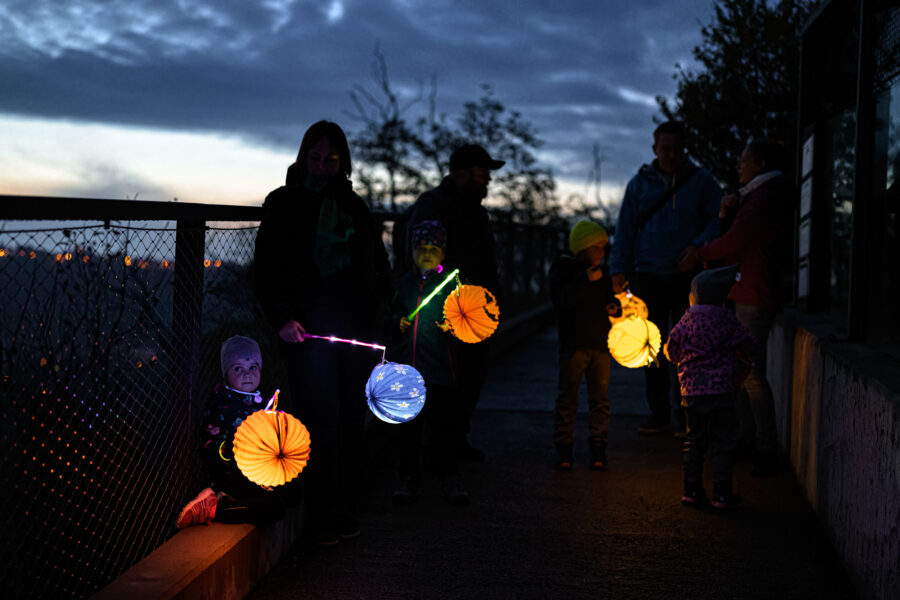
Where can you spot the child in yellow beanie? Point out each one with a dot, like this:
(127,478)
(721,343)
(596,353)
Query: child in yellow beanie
(583,298)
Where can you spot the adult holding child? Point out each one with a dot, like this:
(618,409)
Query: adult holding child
(321,268)
(670,209)
(755,238)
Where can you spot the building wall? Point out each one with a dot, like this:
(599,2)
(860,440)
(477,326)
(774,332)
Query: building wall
(838,410)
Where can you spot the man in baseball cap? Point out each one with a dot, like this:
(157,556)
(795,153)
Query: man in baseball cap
(456,203)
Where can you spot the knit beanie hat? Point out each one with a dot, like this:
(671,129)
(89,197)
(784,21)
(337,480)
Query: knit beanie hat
(428,232)
(584,234)
(239,346)
(712,286)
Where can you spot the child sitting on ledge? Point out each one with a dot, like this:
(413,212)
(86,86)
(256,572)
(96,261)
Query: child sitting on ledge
(231,497)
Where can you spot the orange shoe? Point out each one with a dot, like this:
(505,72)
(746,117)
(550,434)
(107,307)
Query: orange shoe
(201,509)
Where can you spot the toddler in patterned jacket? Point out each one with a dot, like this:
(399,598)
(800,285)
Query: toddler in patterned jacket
(231,497)
(709,346)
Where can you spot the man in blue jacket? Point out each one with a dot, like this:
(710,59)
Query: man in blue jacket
(670,209)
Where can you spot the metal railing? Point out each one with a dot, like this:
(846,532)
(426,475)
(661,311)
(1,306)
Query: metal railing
(113,313)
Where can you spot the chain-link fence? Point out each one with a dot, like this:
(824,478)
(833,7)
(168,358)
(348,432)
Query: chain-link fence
(109,343)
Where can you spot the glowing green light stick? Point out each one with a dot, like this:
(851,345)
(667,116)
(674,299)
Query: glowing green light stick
(434,292)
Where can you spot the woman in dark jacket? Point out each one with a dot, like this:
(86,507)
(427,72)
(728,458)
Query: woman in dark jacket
(754,239)
(321,268)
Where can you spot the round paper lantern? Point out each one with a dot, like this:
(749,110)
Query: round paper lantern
(631,305)
(472,313)
(271,447)
(395,392)
(634,342)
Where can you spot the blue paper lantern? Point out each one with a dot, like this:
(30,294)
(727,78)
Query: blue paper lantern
(395,392)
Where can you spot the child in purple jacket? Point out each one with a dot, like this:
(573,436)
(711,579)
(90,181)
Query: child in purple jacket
(709,345)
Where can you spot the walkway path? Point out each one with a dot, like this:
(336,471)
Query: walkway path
(532,532)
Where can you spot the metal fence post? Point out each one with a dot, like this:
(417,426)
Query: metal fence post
(187,310)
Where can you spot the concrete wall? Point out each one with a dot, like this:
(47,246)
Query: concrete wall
(838,410)
(214,562)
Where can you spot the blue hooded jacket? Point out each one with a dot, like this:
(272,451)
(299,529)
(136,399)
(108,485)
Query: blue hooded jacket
(690,216)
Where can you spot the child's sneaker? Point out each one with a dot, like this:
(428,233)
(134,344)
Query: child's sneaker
(201,509)
(693,493)
(407,492)
(727,499)
(348,527)
(564,460)
(724,498)
(454,491)
(598,458)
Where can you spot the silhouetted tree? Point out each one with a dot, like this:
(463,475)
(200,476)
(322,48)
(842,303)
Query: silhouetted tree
(385,141)
(527,188)
(747,87)
(399,160)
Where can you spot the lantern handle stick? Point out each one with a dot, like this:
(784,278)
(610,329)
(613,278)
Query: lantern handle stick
(332,338)
(273,401)
(433,293)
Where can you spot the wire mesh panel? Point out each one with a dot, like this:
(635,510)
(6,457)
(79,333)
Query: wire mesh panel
(109,345)
(108,342)
(887,46)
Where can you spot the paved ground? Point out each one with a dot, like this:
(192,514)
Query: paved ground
(532,532)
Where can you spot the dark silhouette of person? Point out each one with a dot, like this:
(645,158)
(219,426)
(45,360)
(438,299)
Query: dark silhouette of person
(756,239)
(670,208)
(456,203)
(321,267)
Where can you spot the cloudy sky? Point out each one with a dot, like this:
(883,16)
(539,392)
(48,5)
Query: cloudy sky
(206,100)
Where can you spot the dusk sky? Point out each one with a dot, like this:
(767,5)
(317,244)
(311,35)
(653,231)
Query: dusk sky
(206,100)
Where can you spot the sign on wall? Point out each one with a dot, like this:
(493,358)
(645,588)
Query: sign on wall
(807,157)
(806,197)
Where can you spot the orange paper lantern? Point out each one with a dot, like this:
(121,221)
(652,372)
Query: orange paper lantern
(472,313)
(631,305)
(634,342)
(271,447)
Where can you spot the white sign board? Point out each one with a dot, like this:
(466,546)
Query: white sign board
(803,239)
(803,281)
(807,157)
(806,197)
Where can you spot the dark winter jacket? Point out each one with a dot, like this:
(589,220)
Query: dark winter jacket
(470,238)
(226,409)
(424,345)
(581,305)
(705,344)
(756,242)
(351,302)
(690,216)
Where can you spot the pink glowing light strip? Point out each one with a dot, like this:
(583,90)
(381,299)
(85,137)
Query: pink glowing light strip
(332,338)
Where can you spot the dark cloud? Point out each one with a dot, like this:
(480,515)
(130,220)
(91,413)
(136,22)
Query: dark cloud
(581,71)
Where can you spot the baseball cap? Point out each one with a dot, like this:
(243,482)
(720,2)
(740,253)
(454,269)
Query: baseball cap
(473,155)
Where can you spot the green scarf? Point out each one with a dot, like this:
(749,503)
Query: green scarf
(332,252)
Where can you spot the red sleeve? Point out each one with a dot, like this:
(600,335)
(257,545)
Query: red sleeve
(747,228)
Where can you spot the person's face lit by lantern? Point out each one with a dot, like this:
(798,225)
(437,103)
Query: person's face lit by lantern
(323,160)
(428,257)
(749,166)
(593,254)
(243,375)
